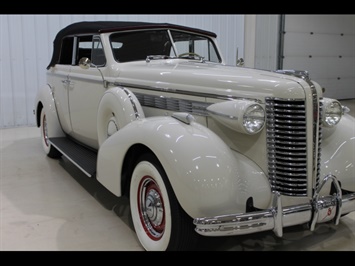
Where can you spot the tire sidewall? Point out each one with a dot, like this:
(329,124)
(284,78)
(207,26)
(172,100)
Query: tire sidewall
(146,167)
(44,133)
(48,148)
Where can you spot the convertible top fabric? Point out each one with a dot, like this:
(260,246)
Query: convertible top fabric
(96,27)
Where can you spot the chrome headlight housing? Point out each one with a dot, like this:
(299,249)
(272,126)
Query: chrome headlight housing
(244,116)
(332,112)
(254,118)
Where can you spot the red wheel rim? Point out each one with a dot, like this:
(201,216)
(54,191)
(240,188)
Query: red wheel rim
(151,208)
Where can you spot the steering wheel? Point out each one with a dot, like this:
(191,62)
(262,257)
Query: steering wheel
(189,54)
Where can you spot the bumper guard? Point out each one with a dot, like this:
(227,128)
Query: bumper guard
(320,209)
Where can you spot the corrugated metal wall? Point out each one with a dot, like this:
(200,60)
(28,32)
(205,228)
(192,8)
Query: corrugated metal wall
(266,41)
(324,45)
(26,48)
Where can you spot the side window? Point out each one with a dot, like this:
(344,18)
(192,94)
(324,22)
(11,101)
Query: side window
(97,54)
(84,48)
(91,47)
(66,52)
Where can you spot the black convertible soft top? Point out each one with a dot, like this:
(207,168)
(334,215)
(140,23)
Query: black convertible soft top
(96,27)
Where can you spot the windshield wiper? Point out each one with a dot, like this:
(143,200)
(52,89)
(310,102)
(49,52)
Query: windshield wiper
(183,56)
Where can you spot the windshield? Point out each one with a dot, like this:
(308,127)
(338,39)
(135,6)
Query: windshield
(138,45)
(188,44)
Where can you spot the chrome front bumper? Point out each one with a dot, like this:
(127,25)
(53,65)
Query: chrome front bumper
(320,209)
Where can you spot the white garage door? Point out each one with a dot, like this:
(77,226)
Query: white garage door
(324,45)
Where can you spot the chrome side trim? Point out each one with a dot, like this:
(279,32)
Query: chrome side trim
(136,113)
(173,104)
(183,92)
(318,210)
(233,117)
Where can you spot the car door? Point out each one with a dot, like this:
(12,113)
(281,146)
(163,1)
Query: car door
(86,90)
(60,83)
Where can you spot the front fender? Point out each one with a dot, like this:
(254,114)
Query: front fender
(208,178)
(338,152)
(44,100)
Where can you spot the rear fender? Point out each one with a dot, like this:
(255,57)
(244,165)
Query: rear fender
(44,100)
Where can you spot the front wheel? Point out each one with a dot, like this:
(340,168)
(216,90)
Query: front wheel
(159,221)
(47,146)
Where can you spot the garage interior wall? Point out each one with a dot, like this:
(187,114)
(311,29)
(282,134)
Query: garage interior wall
(324,45)
(267,30)
(26,44)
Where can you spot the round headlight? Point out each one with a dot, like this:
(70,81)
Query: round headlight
(333,112)
(254,118)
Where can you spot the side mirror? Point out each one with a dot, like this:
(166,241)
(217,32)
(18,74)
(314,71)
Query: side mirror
(85,63)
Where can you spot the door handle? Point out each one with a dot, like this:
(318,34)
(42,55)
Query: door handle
(67,83)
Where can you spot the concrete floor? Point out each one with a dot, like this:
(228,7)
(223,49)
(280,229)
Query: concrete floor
(48,205)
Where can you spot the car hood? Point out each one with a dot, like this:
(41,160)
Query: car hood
(208,78)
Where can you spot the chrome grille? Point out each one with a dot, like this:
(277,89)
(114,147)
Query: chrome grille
(287,146)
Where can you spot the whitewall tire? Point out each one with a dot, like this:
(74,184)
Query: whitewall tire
(47,146)
(159,221)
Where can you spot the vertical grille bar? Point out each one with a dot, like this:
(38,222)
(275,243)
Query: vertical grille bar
(320,137)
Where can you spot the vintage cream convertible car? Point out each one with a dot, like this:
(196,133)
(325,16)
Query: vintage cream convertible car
(152,112)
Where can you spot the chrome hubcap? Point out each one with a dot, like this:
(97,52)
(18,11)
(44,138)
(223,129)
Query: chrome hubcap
(151,208)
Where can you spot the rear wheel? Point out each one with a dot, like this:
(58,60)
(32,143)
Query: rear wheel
(159,221)
(47,146)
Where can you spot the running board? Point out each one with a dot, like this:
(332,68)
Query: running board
(84,158)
